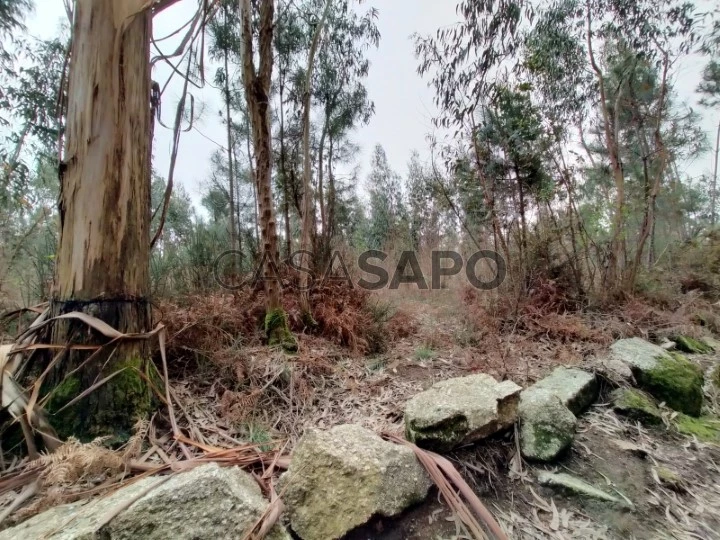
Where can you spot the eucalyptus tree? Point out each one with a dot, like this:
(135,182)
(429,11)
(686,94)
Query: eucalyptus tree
(462,63)
(256,82)
(226,43)
(388,218)
(31,107)
(709,87)
(335,37)
(102,264)
(103,257)
(12,14)
(308,221)
(340,91)
(549,48)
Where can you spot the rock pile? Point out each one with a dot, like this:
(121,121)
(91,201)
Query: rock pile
(667,376)
(548,412)
(341,478)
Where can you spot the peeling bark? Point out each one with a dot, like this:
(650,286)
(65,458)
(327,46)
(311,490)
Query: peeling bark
(103,258)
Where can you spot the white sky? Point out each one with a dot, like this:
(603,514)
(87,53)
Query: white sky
(402,99)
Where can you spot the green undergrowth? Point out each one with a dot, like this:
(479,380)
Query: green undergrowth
(705,428)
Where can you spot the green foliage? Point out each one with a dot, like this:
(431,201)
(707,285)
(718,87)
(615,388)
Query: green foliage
(12,14)
(425,353)
(388,215)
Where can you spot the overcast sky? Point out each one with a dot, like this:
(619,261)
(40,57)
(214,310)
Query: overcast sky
(402,99)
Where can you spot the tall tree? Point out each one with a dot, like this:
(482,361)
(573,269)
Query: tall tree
(224,44)
(256,81)
(103,258)
(710,89)
(308,220)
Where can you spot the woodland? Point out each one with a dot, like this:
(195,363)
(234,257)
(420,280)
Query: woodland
(140,324)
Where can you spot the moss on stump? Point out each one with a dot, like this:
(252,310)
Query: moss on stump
(278,332)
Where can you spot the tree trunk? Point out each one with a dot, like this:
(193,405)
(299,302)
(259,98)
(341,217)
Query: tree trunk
(257,93)
(283,172)
(103,258)
(332,195)
(652,190)
(615,256)
(713,194)
(523,222)
(231,168)
(321,177)
(308,223)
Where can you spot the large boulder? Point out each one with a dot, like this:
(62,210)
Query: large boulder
(339,479)
(547,426)
(460,411)
(207,502)
(668,376)
(577,389)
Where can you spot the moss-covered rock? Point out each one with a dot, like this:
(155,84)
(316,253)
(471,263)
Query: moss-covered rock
(716,376)
(690,345)
(706,428)
(636,405)
(668,376)
(460,411)
(547,427)
(339,479)
(676,381)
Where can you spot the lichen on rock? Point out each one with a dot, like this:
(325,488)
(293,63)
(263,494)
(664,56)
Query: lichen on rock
(577,389)
(460,411)
(547,427)
(209,501)
(339,479)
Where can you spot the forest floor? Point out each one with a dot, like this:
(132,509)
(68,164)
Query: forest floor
(230,391)
(324,386)
(610,452)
